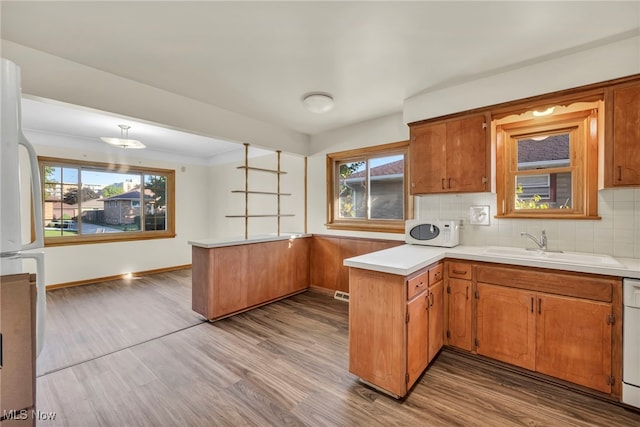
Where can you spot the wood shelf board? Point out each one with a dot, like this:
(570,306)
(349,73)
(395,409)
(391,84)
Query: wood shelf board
(261,169)
(258,216)
(261,192)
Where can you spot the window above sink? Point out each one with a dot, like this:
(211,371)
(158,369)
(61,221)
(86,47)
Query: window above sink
(546,167)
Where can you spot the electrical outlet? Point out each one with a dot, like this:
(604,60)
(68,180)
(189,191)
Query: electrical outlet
(479,215)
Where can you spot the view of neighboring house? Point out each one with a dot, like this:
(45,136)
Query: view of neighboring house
(384,192)
(123,208)
(540,154)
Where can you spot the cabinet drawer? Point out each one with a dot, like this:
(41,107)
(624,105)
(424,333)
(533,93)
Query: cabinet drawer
(459,270)
(417,284)
(435,274)
(578,285)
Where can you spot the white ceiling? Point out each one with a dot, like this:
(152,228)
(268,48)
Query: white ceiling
(86,126)
(259,58)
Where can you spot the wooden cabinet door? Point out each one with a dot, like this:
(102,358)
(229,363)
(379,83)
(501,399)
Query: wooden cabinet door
(417,336)
(230,269)
(506,325)
(427,154)
(626,136)
(459,319)
(17,317)
(436,319)
(467,160)
(573,340)
(450,156)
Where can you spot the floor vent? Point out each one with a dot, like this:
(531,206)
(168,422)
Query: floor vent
(342,296)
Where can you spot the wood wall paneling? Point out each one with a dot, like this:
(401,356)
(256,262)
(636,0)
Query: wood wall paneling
(328,254)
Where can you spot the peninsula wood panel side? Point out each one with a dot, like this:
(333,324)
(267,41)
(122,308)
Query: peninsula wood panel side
(328,253)
(230,279)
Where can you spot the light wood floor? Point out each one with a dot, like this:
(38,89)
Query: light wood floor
(131,353)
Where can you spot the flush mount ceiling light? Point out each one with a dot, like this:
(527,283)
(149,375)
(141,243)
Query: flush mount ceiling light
(123,141)
(546,112)
(318,102)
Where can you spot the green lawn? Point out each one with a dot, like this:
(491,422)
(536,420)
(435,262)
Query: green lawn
(56,233)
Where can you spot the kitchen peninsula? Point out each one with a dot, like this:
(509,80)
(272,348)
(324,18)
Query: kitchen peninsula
(555,314)
(234,275)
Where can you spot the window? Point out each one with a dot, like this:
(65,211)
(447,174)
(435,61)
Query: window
(94,202)
(367,189)
(547,167)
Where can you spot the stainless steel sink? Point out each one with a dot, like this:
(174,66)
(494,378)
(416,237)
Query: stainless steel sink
(559,257)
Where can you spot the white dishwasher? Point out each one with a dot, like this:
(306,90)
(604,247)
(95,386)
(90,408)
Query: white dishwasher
(631,343)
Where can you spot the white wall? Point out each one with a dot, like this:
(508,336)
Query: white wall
(604,62)
(227,177)
(82,262)
(373,132)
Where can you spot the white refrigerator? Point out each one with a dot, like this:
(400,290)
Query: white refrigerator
(20,202)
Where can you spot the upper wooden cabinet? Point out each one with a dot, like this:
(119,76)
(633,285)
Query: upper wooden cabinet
(622,136)
(450,156)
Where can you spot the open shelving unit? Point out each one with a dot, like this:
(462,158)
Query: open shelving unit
(247,192)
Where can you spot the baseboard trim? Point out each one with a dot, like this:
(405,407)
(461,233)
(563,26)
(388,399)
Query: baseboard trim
(117,277)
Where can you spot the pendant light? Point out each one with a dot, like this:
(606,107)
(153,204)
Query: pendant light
(124,141)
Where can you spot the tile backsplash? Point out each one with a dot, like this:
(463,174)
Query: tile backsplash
(616,234)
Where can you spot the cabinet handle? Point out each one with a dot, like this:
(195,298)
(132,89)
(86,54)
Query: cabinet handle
(532,304)
(432,299)
(467,292)
(619,173)
(539,305)
(419,285)
(442,183)
(460,271)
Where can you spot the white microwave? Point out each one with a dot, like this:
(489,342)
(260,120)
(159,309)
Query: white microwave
(432,233)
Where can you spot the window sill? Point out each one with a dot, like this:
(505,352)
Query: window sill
(105,238)
(374,226)
(537,215)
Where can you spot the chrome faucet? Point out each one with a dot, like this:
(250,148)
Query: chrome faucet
(542,243)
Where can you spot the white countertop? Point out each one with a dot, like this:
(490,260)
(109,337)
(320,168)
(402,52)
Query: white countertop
(406,259)
(234,241)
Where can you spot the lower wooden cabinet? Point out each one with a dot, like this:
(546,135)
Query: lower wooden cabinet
(17,371)
(459,301)
(506,325)
(435,318)
(524,319)
(417,336)
(561,324)
(573,340)
(395,326)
